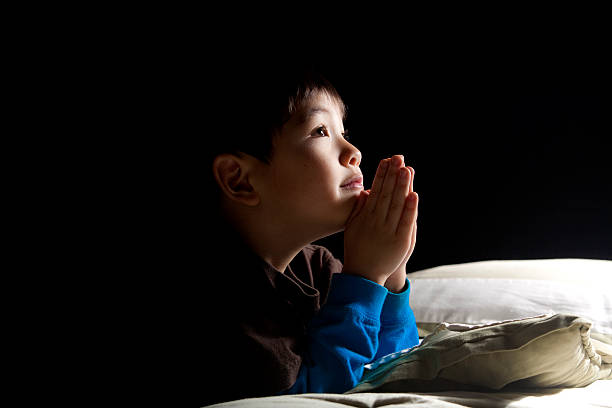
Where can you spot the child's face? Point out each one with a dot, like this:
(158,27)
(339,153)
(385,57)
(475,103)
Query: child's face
(306,181)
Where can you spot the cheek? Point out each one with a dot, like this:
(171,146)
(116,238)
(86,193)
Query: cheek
(318,174)
(310,181)
(308,173)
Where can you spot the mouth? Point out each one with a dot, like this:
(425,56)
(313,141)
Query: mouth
(353,183)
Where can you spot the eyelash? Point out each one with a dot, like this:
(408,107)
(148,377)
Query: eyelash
(326,133)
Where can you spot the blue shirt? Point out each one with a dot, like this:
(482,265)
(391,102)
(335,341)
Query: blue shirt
(360,322)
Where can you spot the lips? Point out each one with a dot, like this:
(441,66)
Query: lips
(353,182)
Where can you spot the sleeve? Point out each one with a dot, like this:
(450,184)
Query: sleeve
(398,330)
(342,337)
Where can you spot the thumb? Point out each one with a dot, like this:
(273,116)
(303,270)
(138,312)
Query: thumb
(361,200)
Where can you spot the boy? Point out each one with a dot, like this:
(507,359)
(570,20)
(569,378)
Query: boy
(285,316)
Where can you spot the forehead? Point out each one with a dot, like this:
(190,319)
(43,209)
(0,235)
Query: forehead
(320,103)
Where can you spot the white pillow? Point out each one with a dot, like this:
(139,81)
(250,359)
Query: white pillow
(545,351)
(584,272)
(491,291)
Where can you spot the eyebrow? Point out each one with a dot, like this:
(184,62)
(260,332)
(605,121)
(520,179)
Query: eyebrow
(304,116)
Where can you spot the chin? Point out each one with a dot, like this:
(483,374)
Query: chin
(336,220)
(348,211)
(339,224)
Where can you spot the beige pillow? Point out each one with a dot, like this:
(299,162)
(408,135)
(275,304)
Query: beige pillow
(544,351)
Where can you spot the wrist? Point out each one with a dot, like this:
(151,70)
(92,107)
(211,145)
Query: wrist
(397,287)
(396,283)
(376,278)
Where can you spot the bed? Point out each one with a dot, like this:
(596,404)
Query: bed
(508,333)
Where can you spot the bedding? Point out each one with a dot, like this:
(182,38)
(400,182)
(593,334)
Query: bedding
(526,333)
(490,291)
(538,352)
(594,395)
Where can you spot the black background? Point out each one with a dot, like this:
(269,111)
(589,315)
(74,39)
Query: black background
(511,149)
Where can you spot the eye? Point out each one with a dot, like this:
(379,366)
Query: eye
(345,134)
(321,131)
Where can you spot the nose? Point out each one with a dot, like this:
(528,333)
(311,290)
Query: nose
(351,156)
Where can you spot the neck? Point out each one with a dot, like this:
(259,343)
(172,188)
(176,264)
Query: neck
(277,244)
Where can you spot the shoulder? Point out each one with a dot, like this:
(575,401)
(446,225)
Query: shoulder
(321,258)
(318,265)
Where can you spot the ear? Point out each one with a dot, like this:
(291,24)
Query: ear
(232,175)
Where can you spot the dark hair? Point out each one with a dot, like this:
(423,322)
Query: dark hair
(253,104)
(258,102)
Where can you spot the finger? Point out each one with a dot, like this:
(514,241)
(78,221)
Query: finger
(414,230)
(414,233)
(408,216)
(377,184)
(386,194)
(412,242)
(361,200)
(411,185)
(399,197)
